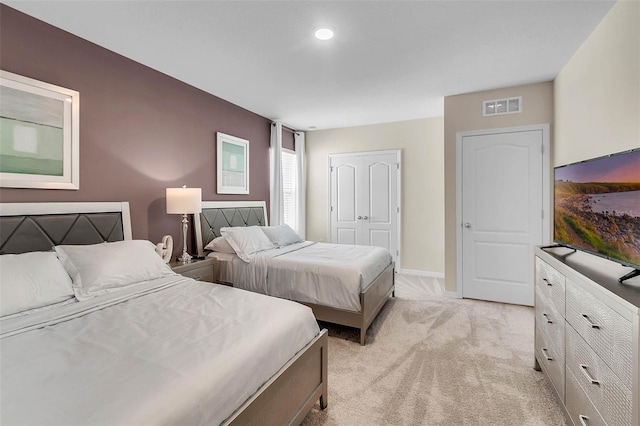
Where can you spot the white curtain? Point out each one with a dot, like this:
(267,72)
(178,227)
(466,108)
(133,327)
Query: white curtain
(276,198)
(301,187)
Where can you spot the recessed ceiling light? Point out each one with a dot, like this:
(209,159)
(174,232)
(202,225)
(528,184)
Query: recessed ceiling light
(324,33)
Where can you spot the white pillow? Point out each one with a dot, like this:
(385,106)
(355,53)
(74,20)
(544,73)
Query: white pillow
(221,245)
(32,280)
(247,240)
(281,235)
(103,268)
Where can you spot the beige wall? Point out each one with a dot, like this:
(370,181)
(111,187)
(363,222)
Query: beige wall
(596,107)
(464,113)
(597,93)
(422,208)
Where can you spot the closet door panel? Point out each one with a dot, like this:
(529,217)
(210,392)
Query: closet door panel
(344,202)
(379,237)
(380,217)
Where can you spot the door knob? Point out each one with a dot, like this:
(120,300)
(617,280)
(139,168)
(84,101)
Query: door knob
(359,217)
(366,218)
(467,225)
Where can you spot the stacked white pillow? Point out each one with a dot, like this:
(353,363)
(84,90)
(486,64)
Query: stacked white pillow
(102,268)
(281,235)
(38,279)
(220,245)
(32,280)
(247,241)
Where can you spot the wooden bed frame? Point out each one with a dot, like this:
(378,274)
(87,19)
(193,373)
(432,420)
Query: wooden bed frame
(285,399)
(216,214)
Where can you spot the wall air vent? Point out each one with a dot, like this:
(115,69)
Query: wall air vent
(502,106)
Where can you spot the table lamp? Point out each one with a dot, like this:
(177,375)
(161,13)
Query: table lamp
(184,201)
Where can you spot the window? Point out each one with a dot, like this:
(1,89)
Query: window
(289,186)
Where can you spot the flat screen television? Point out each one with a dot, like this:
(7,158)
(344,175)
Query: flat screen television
(597,207)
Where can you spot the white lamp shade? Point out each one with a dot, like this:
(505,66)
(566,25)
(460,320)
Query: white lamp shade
(184,200)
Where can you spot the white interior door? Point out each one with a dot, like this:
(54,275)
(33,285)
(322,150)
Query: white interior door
(502,214)
(364,198)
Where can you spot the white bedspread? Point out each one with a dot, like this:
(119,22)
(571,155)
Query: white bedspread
(170,351)
(321,273)
(223,266)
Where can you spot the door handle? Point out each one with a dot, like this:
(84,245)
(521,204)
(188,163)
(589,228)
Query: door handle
(359,217)
(467,225)
(366,218)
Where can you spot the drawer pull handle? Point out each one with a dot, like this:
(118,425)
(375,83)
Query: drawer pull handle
(547,281)
(548,319)
(588,376)
(583,420)
(546,354)
(591,324)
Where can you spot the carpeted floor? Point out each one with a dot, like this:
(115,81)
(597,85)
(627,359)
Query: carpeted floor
(431,360)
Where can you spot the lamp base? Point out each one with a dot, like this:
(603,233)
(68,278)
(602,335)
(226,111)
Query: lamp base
(186,257)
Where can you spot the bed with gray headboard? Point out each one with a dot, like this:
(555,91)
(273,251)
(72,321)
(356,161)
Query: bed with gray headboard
(100,360)
(216,215)
(26,227)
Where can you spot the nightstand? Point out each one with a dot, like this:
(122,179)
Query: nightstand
(200,269)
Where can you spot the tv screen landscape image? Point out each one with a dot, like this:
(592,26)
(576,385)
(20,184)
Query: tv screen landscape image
(597,207)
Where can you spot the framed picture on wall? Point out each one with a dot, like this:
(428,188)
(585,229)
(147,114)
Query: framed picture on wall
(39,134)
(233,164)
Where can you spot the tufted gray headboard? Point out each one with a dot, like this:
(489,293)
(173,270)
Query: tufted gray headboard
(26,227)
(218,214)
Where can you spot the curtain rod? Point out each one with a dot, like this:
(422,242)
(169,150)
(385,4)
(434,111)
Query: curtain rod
(287,128)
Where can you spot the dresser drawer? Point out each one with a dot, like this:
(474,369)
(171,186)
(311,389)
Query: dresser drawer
(613,399)
(579,407)
(551,360)
(606,331)
(550,322)
(551,284)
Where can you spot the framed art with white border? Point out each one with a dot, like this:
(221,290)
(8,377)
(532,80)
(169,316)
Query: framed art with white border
(39,134)
(233,164)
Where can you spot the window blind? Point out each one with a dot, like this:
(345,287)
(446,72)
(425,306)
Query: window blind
(289,179)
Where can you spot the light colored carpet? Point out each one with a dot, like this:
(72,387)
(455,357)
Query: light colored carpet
(431,360)
(414,287)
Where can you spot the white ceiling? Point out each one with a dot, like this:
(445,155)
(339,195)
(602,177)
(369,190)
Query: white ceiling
(389,60)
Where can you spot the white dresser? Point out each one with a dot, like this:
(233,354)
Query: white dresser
(587,333)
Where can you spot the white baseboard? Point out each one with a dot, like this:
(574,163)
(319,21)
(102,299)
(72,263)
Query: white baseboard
(453,294)
(421,273)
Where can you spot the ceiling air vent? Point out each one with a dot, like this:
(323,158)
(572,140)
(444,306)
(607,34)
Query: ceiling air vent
(502,106)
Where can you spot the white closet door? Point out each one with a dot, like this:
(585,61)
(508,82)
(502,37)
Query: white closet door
(380,201)
(345,225)
(364,196)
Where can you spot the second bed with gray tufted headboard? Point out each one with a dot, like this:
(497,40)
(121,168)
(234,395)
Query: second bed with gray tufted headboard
(343,284)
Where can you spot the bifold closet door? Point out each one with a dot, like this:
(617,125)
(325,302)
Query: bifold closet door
(365,199)
(345,187)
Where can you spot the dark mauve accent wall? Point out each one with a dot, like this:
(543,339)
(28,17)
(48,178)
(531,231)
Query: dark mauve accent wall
(141,131)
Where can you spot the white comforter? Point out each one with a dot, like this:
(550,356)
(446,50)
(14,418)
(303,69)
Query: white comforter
(320,273)
(168,351)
